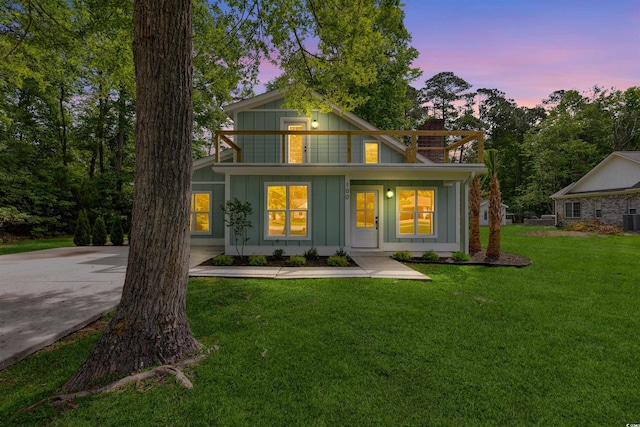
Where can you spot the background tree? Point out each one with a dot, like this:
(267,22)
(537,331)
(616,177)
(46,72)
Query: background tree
(82,236)
(116,234)
(99,235)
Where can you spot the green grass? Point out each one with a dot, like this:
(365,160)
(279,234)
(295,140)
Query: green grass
(29,245)
(551,344)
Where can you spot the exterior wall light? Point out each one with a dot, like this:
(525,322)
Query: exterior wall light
(389,193)
(314,124)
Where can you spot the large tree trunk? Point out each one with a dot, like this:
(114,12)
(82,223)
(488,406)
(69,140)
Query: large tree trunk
(495,218)
(474,220)
(150,324)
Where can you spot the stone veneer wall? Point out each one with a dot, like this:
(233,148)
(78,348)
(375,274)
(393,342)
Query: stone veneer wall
(613,207)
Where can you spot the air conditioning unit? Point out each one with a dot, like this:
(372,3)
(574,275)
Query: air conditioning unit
(631,222)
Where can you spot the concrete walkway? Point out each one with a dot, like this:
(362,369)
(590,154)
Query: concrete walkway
(377,265)
(46,295)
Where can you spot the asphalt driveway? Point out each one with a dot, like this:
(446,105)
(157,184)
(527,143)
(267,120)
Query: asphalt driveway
(46,295)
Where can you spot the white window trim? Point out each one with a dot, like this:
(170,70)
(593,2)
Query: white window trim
(285,122)
(434,213)
(572,210)
(287,217)
(193,213)
(632,205)
(597,208)
(364,152)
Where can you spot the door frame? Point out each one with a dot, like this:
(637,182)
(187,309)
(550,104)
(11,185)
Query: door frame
(305,122)
(379,189)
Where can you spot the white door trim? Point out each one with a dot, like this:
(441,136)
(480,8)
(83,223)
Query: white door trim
(380,205)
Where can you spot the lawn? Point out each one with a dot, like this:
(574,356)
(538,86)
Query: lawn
(29,245)
(555,343)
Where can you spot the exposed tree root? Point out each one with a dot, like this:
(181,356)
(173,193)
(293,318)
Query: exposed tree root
(160,371)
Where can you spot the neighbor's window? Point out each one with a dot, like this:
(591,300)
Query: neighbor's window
(287,213)
(371,152)
(633,206)
(200,221)
(572,210)
(415,212)
(598,208)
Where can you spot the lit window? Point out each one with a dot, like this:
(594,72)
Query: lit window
(371,150)
(598,209)
(365,210)
(295,146)
(572,210)
(287,211)
(415,212)
(200,221)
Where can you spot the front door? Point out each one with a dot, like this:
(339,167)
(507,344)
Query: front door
(364,218)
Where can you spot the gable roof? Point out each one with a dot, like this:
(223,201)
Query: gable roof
(632,182)
(360,123)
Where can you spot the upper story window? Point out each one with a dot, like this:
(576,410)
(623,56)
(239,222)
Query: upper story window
(572,210)
(287,210)
(415,212)
(371,152)
(200,221)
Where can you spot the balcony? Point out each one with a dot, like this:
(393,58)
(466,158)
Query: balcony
(456,146)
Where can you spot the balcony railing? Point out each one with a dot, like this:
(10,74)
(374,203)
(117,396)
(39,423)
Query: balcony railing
(411,152)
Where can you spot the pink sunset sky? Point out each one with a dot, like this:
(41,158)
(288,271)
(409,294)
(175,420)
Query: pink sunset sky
(527,49)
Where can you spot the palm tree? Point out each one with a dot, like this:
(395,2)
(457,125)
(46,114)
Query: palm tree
(474,221)
(495,204)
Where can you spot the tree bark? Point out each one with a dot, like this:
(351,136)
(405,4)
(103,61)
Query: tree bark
(495,218)
(474,220)
(150,324)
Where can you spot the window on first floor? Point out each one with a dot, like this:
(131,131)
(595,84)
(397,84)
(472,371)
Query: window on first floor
(415,212)
(633,206)
(572,210)
(200,221)
(287,210)
(598,208)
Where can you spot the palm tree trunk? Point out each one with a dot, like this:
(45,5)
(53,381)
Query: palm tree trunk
(474,220)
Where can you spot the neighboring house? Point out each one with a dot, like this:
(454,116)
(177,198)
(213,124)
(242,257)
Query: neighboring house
(331,181)
(484,213)
(607,192)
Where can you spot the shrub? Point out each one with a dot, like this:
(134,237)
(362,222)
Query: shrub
(337,261)
(278,254)
(402,256)
(460,256)
(257,260)
(99,236)
(312,254)
(82,237)
(223,260)
(341,252)
(117,234)
(430,256)
(296,261)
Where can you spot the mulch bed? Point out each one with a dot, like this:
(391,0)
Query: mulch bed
(244,262)
(506,260)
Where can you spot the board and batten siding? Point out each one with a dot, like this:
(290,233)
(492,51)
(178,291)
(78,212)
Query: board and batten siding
(323,148)
(326,212)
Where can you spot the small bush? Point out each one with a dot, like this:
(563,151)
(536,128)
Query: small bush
(460,256)
(430,256)
(595,226)
(337,261)
(99,236)
(223,260)
(312,254)
(296,261)
(82,237)
(117,234)
(278,254)
(402,256)
(257,260)
(341,252)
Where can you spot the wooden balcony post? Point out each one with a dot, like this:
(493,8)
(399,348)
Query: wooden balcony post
(217,147)
(284,148)
(414,147)
(481,147)
(348,148)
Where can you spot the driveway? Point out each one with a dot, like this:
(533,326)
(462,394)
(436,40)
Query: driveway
(46,295)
